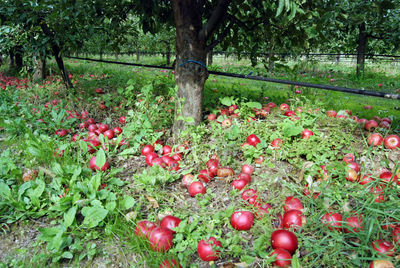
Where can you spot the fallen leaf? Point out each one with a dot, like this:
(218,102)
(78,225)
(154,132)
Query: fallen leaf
(153,202)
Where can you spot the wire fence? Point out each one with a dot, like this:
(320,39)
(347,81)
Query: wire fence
(265,79)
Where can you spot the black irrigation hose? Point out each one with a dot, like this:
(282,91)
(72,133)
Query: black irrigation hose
(265,79)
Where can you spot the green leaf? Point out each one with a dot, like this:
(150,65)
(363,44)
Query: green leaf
(100,158)
(93,216)
(292,130)
(67,255)
(280,7)
(227,101)
(69,217)
(47,234)
(247,259)
(127,202)
(254,104)
(5,190)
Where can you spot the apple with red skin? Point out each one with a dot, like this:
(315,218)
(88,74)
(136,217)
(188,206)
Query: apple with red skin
(277,143)
(209,249)
(83,125)
(61,132)
(92,145)
(109,134)
(99,91)
(160,239)
(244,176)
(353,224)
(93,166)
(239,184)
(284,239)
(171,263)
(242,220)
(187,179)
(253,140)
(375,139)
(247,169)
(75,137)
(366,179)
(289,113)
(368,107)
(291,203)
(205,175)
(158,161)
(117,130)
(283,257)
(170,222)
(211,117)
(306,134)
(284,107)
(177,156)
(331,113)
(388,177)
(263,210)
(122,119)
(196,188)
(249,193)
(259,160)
(294,218)
(166,150)
(150,157)
(144,228)
(354,166)
(103,127)
(92,127)
(271,105)
(392,142)
(384,124)
(170,162)
(370,125)
(349,158)
(332,220)
(147,149)
(383,247)
(377,193)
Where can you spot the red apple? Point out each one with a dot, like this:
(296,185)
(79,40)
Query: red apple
(306,134)
(392,142)
(375,139)
(277,143)
(332,220)
(253,140)
(242,220)
(209,249)
(383,247)
(283,257)
(331,113)
(284,239)
(370,125)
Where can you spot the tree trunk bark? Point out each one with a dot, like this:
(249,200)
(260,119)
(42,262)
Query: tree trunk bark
(361,48)
(190,76)
(11,60)
(57,53)
(116,55)
(137,52)
(210,58)
(60,63)
(101,53)
(40,67)
(168,54)
(337,59)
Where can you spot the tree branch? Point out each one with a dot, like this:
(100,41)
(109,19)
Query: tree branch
(216,18)
(221,36)
(375,36)
(244,24)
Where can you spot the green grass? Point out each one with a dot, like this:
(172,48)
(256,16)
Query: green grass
(94,223)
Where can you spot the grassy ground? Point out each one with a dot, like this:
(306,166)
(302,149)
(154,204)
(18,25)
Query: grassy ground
(71,216)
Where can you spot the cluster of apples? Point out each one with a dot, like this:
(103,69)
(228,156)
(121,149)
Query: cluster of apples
(390,142)
(6,81)
(159,236)
(169,158)
(386,178)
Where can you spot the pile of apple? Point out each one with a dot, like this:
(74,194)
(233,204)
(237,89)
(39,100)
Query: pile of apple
(390,142)
(159,236)
(169,158)
(6,81)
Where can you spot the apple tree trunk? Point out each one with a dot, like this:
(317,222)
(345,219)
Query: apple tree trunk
(190,71)
(11,59)
(361,48)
